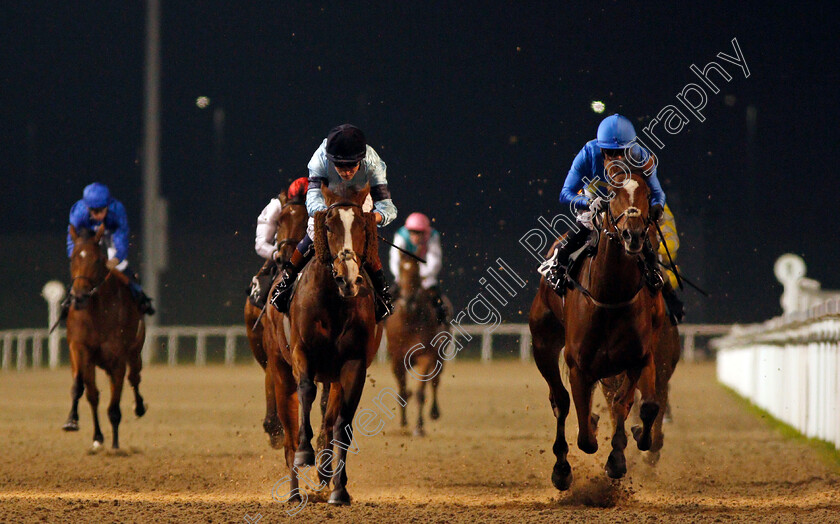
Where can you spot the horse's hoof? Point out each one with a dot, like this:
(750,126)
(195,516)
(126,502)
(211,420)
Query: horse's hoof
(562,476)
(652,458)
(304,458)
(140,409)
(588,447)
(616,465)
(339,497)
(642,438)
(276,441)
(419,432)
(96,447)
(434,413)
(71,425)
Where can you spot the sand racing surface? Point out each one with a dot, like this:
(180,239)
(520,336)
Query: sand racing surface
(200,455)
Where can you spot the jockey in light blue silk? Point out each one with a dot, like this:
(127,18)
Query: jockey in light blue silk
(343,159)
(615,142)
(97,207)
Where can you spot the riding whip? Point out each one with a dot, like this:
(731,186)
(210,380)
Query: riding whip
(412,255)
(668,252)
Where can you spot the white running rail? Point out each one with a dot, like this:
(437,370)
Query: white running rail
(790,367)
(24,348)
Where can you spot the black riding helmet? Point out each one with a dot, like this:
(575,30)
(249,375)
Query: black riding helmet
(346,144)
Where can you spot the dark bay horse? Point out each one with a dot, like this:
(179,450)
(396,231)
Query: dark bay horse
(333,339)
(290,231)
(414,322)
(105,329)
(610,328)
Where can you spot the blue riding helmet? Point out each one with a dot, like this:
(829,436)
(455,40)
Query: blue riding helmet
(96,195)
(615,132)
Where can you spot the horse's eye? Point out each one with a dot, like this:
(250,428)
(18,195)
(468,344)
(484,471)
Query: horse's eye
(327,228)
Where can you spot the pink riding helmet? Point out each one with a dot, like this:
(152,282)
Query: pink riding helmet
(418,222)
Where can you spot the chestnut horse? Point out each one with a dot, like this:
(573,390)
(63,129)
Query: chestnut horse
(105,329)
(609,324)
(333,339)
(414,322)
(290,231)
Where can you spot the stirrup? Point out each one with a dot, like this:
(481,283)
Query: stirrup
(281,294)
(383,305)
(556,280)
(654,280)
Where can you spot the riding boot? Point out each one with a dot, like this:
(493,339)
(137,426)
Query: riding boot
(283,292)
(653,277)
(675,306)
(383,302)
(144,303)
(440,307)
(556,277)
(65,307)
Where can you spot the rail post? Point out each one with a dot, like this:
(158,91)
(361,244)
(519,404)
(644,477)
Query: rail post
(53,293)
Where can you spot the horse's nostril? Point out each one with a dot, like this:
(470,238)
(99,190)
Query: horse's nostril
(340,281)
(359,280)
(626,235)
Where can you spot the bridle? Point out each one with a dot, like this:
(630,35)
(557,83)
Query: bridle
(288,240)
(92,291)
(343,255)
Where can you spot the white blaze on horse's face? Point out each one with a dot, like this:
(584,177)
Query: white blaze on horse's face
(631,186)
(348,283)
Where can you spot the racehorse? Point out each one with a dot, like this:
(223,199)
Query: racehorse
(609,324)
(666,356)
(414,322)
(333,339)
(105,329)
(290,231)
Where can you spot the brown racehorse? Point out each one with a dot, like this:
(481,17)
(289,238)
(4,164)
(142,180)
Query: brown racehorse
(414,322)
(290,231)
(666,356)
(609,324)
(105,329)
(333,339)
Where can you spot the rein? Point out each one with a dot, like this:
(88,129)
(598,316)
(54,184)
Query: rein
(610,230)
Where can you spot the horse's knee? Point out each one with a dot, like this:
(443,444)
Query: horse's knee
(307,390)
(648,412)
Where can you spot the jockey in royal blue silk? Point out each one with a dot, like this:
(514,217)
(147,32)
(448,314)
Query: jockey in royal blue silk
(615,142)
(343,159)
(96,207)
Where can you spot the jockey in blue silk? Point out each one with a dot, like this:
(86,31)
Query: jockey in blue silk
(96,207)
(343,159)
(615,142)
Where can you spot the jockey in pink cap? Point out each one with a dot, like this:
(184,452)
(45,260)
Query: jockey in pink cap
(419,238)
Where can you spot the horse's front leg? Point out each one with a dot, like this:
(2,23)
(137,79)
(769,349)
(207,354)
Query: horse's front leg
(619,392)
(307,390)
(587,421)
(78,387)
(117,376)
(650,407)
(352,383)
(92,393)
(331,397)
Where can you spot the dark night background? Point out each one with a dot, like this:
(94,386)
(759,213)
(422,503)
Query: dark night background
(478,108)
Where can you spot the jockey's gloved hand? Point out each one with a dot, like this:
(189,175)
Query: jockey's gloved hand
(656,212)
(598,204)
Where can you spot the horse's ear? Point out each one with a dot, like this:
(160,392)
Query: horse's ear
(73,234)
(322,248)
(329,197)
(371,237)
(283,197)
(99,232)
(362,196)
